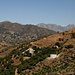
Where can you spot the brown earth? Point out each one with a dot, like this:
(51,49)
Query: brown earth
(51,40)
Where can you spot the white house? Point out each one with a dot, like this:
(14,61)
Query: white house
(53,55)
(23,52)
(56,46)
(30,50)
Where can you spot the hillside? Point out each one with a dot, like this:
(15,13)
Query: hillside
(56,27)
(63,65)
(33,58)
(14,33)
(62,37)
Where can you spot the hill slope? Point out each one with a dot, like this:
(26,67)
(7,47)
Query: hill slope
(62,37)
(14,32)
(20,61)
(63,65)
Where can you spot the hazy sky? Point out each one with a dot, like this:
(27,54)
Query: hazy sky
(61,12)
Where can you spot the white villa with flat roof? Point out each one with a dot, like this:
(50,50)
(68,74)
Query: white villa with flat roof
(53,55)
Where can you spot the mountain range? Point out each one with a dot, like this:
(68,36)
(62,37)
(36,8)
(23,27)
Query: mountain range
(55,27)
(16,33)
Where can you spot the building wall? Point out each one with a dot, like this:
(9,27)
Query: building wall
(53,55)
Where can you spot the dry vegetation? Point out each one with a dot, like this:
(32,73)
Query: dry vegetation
(4,45)
(5,53)
(62,37)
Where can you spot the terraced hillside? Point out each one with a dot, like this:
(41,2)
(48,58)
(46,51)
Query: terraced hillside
(62,65)
(37,61)
(67,37)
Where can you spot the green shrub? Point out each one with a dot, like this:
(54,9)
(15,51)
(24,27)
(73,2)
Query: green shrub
(73,35)
(58,44)
(69,46)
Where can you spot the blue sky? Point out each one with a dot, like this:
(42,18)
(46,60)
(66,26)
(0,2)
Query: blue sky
(61,12)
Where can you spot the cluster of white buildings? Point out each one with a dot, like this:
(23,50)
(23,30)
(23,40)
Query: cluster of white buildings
(30,50)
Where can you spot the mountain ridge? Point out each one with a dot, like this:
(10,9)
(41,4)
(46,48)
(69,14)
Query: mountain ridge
(15,32)
(56,27)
